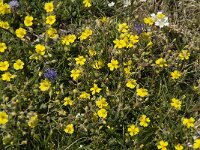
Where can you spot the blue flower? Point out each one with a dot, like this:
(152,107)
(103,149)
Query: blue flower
(139,28)
(50,74)
(13,4)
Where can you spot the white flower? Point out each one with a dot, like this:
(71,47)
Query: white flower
(154,17)
(160,19)
(143,0)
(111,4)
(157,16)
(127,3)
(162,22)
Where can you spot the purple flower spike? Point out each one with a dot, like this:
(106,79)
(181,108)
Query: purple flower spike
(13,4)
(139,28)
(50,74)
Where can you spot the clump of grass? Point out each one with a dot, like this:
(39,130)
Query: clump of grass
(89,74)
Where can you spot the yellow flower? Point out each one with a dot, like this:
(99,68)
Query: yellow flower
(7,76)
(20,33)
(80,60)
(4,65)
(162,145)
(75,74)
(95,89)
(45,85)
(49,7)
(133,130)
(4,9)
(133,39)
(184,55)
(161,62)
(94,117)
(148,21)
(85,34)
(40,49)
(69,129)
(175,74)
(33,121)
(68,39)
(18,64)
(176,103)
(92,52)
(144,121)
(3,47)
(101,103)
(128,63)
(119,43)
(34,56)
(104,19)
(178,147)
(196,144)
(67,101)
(87,3)
(150,44)
(127,70)
(84,95)
(52,33)
(3,118)
(4,24)
(123,27)
(102,113)
(146,36)
(98,64)
(28,21)
(188,122)
(50,19)
(160,15)
(142,92)
(131,83)
(113,65)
